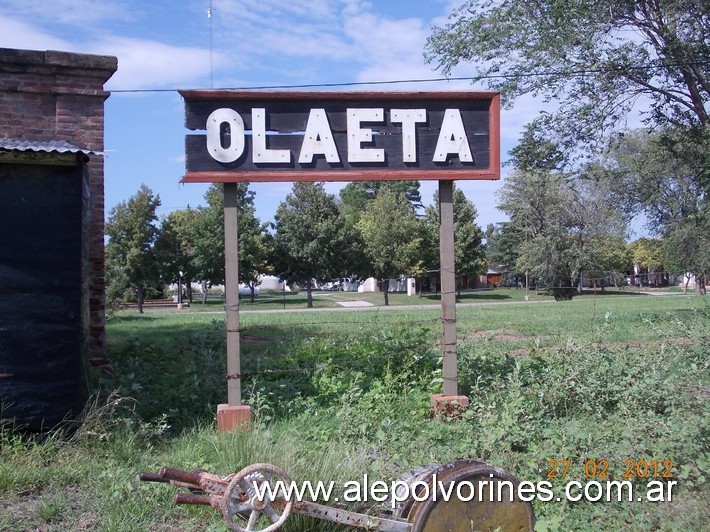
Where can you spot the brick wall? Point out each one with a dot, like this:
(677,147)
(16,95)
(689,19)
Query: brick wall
(50,96)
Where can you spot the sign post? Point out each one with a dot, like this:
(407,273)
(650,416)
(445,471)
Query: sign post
(267,136)
(448,286)
(233,413)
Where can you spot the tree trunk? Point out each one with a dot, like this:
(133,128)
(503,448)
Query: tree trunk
(251,289)
(386,289)
(309,297)
(188,288)
(204,292)
(700,284)
(140,298)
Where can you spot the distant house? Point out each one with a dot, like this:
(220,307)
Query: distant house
(474,281)
(373,285)
(493,278)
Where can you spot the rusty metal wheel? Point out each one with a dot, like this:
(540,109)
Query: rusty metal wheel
(479,483)
(241,498)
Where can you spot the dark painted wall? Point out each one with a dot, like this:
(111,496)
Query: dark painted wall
(44,264)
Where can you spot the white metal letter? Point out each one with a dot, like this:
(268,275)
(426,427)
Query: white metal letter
(408,118)
(452,138)
(234,151)
(357,135)
(318,139)
(262,154)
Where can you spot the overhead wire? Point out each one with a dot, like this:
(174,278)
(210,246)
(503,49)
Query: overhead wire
(560,73)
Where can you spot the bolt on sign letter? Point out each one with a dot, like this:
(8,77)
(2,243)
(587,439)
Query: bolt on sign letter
(340,136)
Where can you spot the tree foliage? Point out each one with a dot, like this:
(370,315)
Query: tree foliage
(666,177)
(356,195)
(131,260)
(175,249)
(556,222)
(208,238)
(503,248)
(309,240)
(598,59)
(647,252)
(391,237)
(609,259)
(469,254)
(601,60)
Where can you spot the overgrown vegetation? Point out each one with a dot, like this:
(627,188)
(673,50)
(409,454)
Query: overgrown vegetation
(347,393)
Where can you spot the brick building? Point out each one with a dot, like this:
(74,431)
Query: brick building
(51,231)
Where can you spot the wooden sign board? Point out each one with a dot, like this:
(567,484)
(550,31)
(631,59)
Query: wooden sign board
(263,136)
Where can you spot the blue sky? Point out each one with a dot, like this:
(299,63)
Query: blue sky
(164,44)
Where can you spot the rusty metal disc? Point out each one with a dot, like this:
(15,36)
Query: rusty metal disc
(473,501)
(241,498)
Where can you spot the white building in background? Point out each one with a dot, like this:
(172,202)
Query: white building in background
(369,285)
(271,282)
(373,285)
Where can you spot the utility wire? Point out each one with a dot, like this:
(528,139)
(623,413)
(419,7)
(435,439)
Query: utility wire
(560,73)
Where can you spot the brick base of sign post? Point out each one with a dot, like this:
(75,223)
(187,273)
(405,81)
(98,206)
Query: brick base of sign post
(449,406)
(231,418)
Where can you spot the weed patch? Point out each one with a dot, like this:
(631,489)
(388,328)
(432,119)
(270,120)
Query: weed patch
(338,397)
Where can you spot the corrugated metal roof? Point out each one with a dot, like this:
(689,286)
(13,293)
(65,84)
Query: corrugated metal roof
(59,146)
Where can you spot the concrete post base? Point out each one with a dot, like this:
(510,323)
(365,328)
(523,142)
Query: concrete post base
(449,406)
(230,417)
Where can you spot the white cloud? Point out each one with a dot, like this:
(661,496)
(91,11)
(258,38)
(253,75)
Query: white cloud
(17,34)
(149,64)
(273,29)
(70,12)
(142,63)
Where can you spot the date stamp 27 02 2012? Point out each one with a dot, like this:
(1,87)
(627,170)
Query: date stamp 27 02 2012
(599,468)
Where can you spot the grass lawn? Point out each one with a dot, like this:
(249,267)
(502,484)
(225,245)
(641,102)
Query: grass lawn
(338,392)
(541,321)
(327,299)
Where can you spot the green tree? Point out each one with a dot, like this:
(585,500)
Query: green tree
(309,240)
(687,250)
(131,261)
(255,252)
(208,239)
(556,220)
(469,253)
(391,235)
(609,259)
(174,247)
(503,249)
(555,217)
(356,195)
(553,261)
(647,252)
(666,176)
(598,59)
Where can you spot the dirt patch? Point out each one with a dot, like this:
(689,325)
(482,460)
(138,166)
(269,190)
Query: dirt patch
(24,511)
